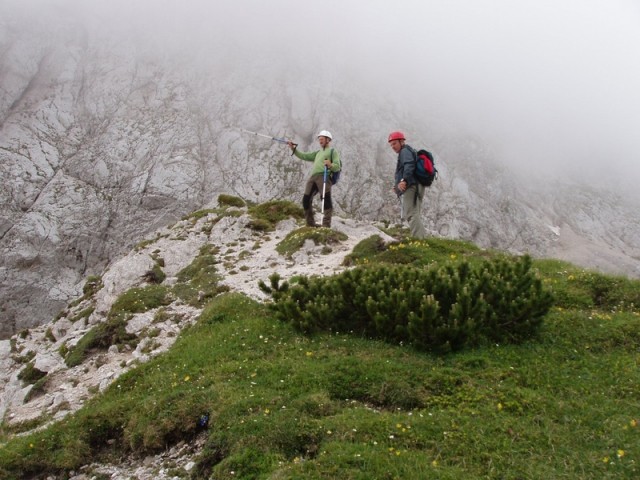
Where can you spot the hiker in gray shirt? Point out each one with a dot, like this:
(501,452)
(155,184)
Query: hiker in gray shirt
(406,184)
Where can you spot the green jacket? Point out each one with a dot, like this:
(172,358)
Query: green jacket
(318,157)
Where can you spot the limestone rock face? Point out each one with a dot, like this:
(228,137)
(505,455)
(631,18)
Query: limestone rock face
(104,140)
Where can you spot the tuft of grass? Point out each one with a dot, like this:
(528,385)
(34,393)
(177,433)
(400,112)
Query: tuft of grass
(364,250)
(296,239)
(82,314)
(101,337)
(199,281)
(146,243)
(198,214)
(265,216)
(231,201)
(49,335)
(30,374)
(140,299)
(156,275)
(92,286)
(38,388)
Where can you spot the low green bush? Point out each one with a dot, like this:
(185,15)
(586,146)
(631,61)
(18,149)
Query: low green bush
(440,309)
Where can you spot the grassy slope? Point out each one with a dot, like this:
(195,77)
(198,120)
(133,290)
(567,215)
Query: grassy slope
(283,405)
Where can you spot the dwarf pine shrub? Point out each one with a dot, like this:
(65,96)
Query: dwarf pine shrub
(440,309)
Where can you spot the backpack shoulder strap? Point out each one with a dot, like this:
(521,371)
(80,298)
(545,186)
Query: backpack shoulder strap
(331,156)
(412,150)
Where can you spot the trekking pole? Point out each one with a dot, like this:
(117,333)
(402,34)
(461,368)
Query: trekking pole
(275,139)
(324,187)
(399,193)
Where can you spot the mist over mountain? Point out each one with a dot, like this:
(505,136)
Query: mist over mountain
(117,120)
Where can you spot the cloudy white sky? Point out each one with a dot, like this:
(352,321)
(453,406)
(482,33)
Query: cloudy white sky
(556,81)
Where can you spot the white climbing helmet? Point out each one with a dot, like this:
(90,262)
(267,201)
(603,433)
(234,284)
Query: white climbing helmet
(325,133)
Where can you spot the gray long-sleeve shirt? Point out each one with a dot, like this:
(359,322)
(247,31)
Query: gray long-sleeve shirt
(406,165)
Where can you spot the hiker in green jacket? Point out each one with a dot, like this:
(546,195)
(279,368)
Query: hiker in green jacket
(327,157)
(406,184)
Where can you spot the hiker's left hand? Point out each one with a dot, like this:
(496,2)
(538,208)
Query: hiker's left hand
(402,186)
(327,163)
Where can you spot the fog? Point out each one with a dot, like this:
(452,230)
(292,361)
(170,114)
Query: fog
(551,85)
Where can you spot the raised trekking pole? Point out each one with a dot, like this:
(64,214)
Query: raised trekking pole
(275,139)
(324,187)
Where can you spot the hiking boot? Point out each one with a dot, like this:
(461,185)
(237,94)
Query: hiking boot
(326,219)
(308,216)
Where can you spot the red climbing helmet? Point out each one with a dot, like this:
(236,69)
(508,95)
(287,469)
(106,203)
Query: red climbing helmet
(396,136)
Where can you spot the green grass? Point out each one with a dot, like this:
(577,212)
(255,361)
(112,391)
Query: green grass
(294,241)
(289,406)
(425,252)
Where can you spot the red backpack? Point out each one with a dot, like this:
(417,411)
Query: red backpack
(426,171)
